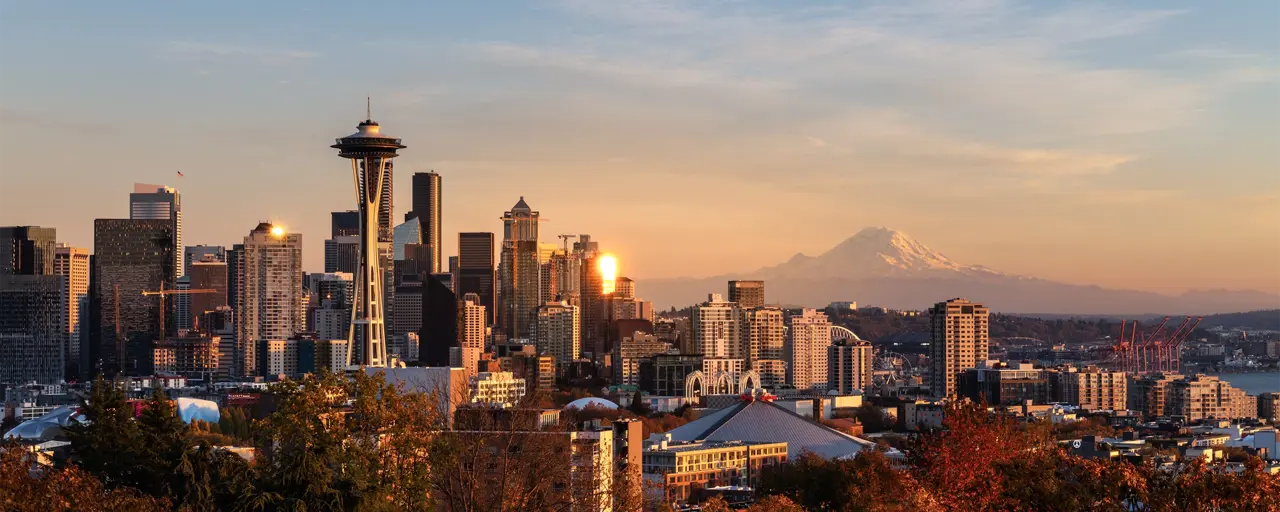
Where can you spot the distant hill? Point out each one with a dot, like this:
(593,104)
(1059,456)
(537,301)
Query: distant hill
(1268,319)
(884,267)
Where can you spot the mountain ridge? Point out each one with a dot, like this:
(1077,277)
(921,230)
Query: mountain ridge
(886,267)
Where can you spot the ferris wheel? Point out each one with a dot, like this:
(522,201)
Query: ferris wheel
(890,367)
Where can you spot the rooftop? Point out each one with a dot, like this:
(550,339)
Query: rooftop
(764,422)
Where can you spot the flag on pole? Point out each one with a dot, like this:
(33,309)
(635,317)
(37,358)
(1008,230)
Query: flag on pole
(179,173)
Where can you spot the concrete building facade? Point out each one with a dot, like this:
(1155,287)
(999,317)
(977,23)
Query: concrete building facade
(958,341)
(810,337)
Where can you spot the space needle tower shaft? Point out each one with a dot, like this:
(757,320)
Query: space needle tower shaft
(370,152)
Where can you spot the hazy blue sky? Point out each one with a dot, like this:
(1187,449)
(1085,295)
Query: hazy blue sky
(1128,144)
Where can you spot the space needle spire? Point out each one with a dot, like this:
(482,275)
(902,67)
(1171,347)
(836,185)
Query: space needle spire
(370,152)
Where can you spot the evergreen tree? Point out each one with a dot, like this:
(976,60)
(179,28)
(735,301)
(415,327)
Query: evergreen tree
(108,442)
(163,443)
(638,405)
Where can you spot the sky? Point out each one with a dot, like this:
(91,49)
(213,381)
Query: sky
(1124,144)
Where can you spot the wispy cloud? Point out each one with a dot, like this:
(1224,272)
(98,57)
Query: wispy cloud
(191,50)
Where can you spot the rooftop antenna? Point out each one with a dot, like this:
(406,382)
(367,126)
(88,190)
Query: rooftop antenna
(368,109)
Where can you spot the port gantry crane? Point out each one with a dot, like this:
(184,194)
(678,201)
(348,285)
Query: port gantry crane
(1152,351)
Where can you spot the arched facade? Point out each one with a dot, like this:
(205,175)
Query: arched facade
(701,383)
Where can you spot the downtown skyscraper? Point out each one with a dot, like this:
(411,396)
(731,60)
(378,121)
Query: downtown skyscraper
(270,305)
(160,202)
(32,337)
(808,351)
(427,197)
(27,250)
(129,256)
(72,263)
(475,272)
(519,274)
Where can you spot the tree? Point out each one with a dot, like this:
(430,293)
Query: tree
(775,503)
(348,443)
(716,504)
(27,487)
(638,405)
(867,482)
(107,444)
(873,419)
(962,461)
(163,436)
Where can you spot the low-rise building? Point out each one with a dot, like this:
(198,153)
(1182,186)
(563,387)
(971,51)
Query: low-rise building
(1203,397)
(496,388)
(677,468)
(664,375)
(193,356)
(999,383)
(1148,393)
(1269,407)
(628,354)
(1090,388)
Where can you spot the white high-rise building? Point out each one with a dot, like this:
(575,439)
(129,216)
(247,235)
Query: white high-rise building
(807,358)
(73,264)
(766,345)
(472,322)
(717,329)
(159,202)
(558,332)
(471,336)
(957,342)
(766,334)
(271,304)
(849,366)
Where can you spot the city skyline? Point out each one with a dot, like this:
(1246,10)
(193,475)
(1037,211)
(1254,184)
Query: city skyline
(1087,137)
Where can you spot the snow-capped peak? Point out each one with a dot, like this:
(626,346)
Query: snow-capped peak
(875,252)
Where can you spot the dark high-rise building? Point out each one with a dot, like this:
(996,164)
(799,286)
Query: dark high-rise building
(519,288)
(32,340)
(27,250)
(342,250)
(475,270)
(345,223)
(519,275)
(130,256)
(208,275)
(440,324)
(406,316)
(748,294)
(426,208)
(592,300)
(385,204)
(233,269)
(342,254)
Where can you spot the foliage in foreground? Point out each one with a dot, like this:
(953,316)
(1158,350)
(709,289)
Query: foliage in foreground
(982,462)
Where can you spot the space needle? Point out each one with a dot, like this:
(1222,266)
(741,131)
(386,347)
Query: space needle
(370,152)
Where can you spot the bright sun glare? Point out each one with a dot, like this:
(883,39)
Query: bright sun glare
(608,272)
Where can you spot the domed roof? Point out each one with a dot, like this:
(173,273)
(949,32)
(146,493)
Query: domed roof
(591,401)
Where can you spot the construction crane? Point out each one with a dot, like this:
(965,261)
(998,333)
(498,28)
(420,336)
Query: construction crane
(566,238)
(162,293)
